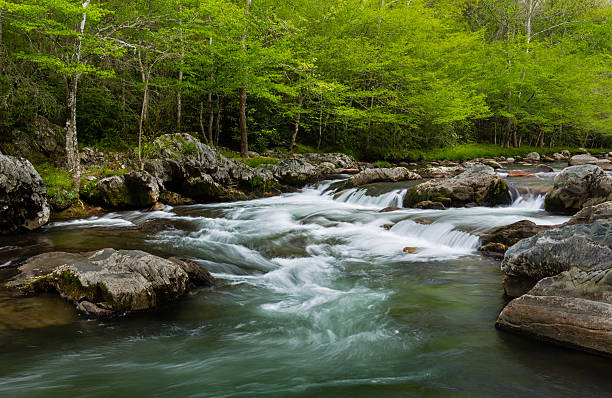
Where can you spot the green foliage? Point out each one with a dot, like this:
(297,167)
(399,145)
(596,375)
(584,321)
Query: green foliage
(382,163)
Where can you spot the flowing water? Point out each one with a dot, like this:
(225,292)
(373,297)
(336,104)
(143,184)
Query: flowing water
(316,298)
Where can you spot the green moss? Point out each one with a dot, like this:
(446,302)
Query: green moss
(68,284)
(61,190)
(382,163)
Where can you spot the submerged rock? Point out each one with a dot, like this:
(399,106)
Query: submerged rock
(520,173)
(369,176)
(577,187)
(23,196)
(542,168)
(479,185)
(110,282)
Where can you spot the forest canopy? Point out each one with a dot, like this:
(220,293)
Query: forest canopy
(374,78)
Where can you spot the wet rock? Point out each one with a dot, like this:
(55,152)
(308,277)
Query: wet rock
(411,250)
(509,235)
(557,156)
(510,160)
(157,206)
(175,199)
(388,226)
(493,249)
(109,282)
(429,205)
(520,174)
(582,159)
(605,164)
(577,187)
(590,214)
(532,157)
(390,209)
(479,184)
(587,247)
(572,309)
(492,163)
(23,196)
(441,172)
(198,276)
(155,226)
(542,168)
(369,176)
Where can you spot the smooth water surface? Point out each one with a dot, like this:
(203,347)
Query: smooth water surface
(316,298)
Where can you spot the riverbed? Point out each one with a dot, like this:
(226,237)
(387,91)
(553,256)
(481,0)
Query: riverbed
(316,298)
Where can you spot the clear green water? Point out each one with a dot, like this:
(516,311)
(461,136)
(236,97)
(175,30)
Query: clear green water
(315,299)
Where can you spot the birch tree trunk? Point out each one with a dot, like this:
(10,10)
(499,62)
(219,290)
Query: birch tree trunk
(73,160)
(297,123)
(211,117)
(244,144)
(143,113)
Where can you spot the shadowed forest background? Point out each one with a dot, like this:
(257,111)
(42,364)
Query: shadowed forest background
(373,78)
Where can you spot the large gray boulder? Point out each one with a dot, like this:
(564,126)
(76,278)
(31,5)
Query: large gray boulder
(584,246)
(572,309)
(577,187)
(339,160)
(297,171)
(369,176)
(478,185)
(441,171)
(533,157)
(135,190)
(23,196)
(589,215)
(109,282)
(579,160)
(563,281)
(185,165)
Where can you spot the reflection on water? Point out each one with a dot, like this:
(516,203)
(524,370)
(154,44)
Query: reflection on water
(316,298)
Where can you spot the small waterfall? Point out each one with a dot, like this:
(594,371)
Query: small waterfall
(441,234)
(360,197)
(527,200)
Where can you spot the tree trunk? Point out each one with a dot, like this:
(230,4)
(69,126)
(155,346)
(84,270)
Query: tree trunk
(72,147)
(73,160)
(202,123)
(211,117)
(179,102)
(244,145)
(320,124)
(218,129)
(143,112)
(297,123)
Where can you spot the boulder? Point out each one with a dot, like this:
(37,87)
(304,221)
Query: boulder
(509,235)
(605,164)
(390,209)
(577,187)
(135,190)
(39,138)
(369,176)
(441,172)
(566,153)
(295,171)
(510,160)
(520,174)
(185,165)
(587,247)
(429,205)
(532,157)
(589,215)
(557,156)
(23,196)
(492,163)
(572,309)
(109,282)
(542,168)
(338,160)
(582,159)
(479,185)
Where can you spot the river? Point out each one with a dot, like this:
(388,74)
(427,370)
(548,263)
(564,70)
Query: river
(316,298)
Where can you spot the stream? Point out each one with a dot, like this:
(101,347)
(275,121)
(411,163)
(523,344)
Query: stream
(315,298)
